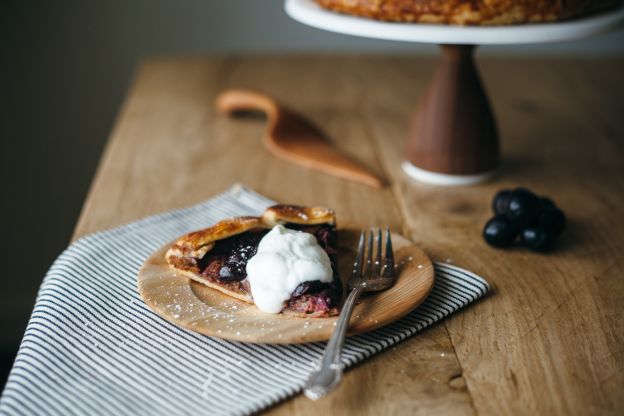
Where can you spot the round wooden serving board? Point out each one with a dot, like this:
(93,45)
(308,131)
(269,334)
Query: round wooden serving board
(199,308)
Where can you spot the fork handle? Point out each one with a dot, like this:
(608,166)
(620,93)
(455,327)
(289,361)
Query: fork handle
(329,373)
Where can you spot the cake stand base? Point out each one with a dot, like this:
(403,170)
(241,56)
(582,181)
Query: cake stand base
(453,132)
(442,179)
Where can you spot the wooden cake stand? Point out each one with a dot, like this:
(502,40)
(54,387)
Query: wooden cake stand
(453,138)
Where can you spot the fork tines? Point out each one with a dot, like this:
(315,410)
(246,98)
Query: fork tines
(368,267)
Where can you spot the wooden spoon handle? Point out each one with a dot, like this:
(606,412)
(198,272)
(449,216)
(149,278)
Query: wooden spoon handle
(293,138)
(232,101)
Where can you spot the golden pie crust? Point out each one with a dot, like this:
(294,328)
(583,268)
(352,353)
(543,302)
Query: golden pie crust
(469,12)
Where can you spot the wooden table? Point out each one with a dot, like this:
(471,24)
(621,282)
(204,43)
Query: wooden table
(550,336)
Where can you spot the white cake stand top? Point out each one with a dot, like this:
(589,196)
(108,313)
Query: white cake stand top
(309,13)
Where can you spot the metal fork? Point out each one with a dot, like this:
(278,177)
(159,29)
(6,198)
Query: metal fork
(367,276)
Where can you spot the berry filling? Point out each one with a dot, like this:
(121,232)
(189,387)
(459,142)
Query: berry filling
(226,265)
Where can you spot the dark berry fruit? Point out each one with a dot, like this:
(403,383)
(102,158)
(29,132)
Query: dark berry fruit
(314,286)
(536,238)
(226,274)
(500,231)
(523,207)
(546,204)
(538,219)
(552,220)
(241,248)
(501,201)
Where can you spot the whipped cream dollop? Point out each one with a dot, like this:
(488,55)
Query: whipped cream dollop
(285,258)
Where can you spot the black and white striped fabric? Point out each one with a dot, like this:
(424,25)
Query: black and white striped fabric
(92,347)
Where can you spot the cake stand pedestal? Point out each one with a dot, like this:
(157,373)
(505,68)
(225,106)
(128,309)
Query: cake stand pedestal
(453,138)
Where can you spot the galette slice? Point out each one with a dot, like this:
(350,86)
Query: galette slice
(284,261)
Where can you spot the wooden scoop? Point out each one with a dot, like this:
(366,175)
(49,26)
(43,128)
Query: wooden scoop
(293,138)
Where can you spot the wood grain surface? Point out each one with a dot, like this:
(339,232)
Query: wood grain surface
(550,336)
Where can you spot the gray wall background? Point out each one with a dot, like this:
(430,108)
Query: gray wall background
(65,67)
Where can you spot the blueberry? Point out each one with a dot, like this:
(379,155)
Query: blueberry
(552,220)
(234,268)
(546,204)
(523,207)
(313,286)
(225,274)
(538,219)
(500,231)
(537,238)
(501,201)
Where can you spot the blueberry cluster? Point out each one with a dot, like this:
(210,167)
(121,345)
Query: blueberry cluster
(522,216)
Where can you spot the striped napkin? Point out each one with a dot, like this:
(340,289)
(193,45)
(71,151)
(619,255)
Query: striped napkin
(92,347)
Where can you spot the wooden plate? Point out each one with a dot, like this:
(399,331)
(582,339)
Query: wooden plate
(199,308)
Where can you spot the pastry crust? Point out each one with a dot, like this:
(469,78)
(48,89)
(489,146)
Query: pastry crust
(186,253)
(198,243)
(220,287)
(469,12)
